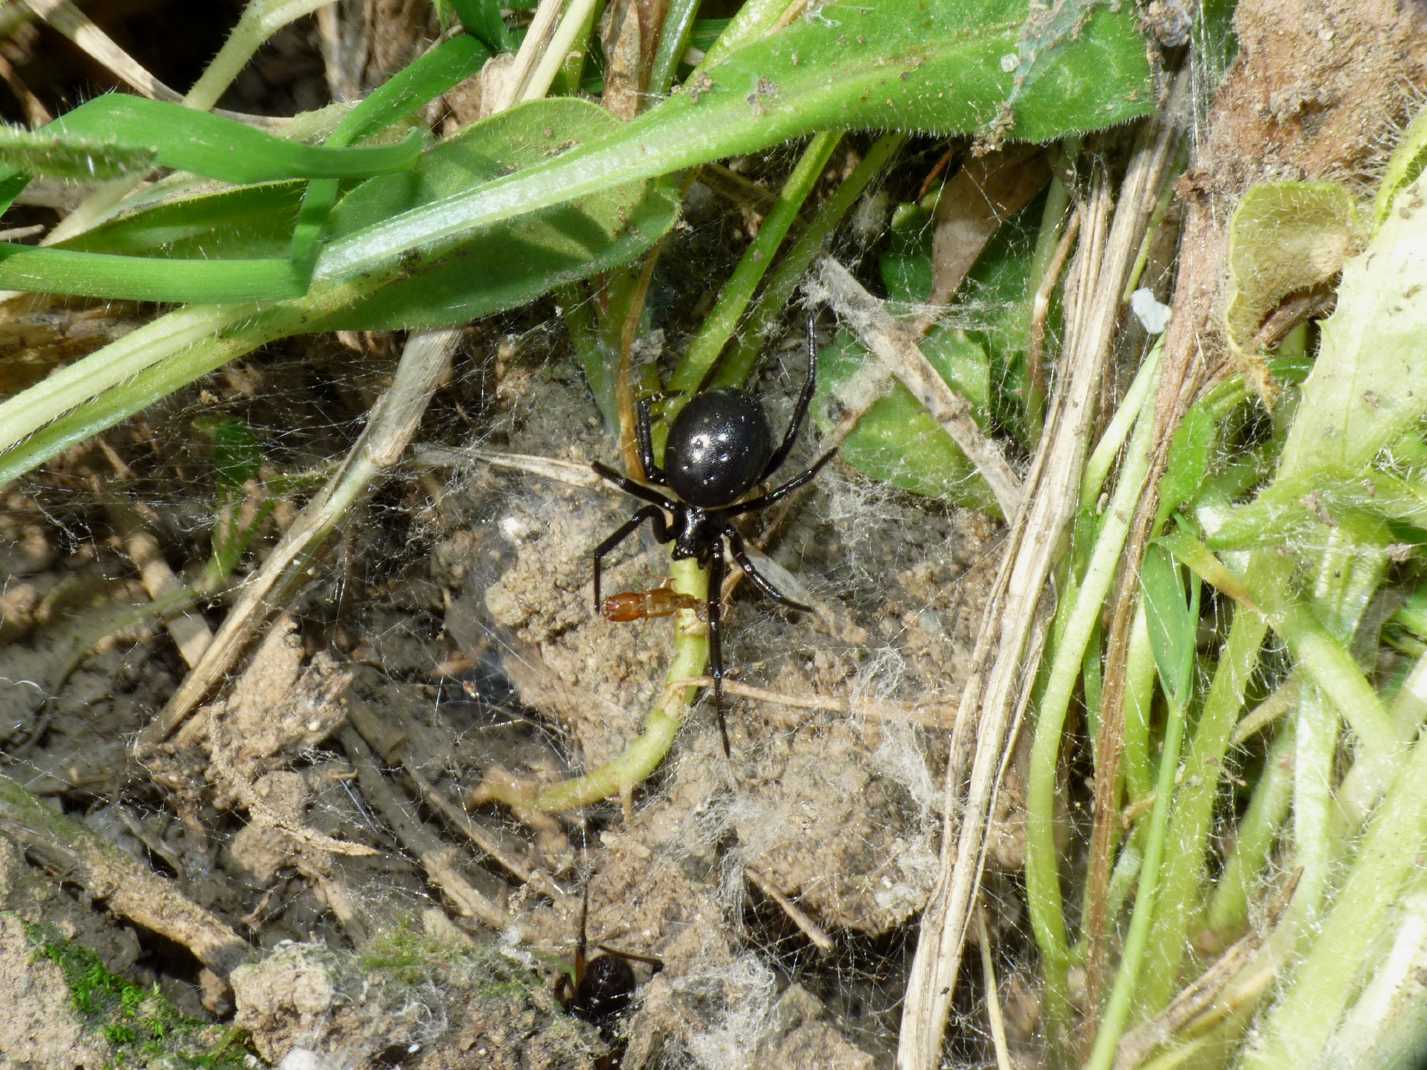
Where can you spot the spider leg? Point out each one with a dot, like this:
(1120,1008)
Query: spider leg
(649,960)
(765,500)
(637,490)
(735,544)
(652,513)
(645,438)
(716,567)
(800,410)
(564,990)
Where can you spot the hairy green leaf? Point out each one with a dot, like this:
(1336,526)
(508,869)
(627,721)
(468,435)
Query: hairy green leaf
(1367,388)
(1285,237)
(1406,163)
(48,152)
(211,145)
(946,66)
(510,262)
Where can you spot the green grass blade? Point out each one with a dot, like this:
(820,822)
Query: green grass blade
(220,148)
(234,224)
(419,82)
(513,261)
(94,159)
(939,71)
(1171,629)
(482,19)
(62,271)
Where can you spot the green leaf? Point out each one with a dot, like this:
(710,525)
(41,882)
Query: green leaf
(1285,237)
(1044,62)
(416,84)
(511,262)
(1190,453)
(205,144)
(1171,624)
(251,222)
(146,279)
(896,441)
(1367,388)
(1406,163)
(48,152)
(939,69)
(215,147)
(258,221)
(948,67)
(482,19)
(156,133)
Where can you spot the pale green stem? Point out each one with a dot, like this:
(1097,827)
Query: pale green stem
(1228,910)
(1361,787)
(1191,819)
(1330,666)
(1102,459)
(1139,701)
(1324,660)
(737,292)
(1117,1008)
(1315,825)
(259,21)
(626,772)
(1123,876)
(1297,1027)
(1081,611)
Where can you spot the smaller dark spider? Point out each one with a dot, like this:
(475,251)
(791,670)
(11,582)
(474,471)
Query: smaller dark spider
(602,987)
(719,449)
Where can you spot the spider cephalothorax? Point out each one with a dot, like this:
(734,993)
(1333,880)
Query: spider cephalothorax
(719,449)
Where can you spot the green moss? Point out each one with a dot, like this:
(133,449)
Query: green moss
(140,1025)
(410,956)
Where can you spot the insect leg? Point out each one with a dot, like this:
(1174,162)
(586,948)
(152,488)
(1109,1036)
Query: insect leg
(645,438)
(638,490)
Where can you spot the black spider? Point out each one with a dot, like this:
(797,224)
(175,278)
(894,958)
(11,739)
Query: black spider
(602,987)
(719,448)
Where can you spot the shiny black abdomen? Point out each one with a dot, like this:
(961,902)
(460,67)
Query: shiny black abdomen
(605,991)
(717,448)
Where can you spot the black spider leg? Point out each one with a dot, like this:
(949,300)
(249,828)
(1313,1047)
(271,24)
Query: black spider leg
(565,985)
(582,947)
(800,410)
(655,965)
(645,437)
(637,490)
(777,493)
(740,554)
(715,605)
(652,513)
